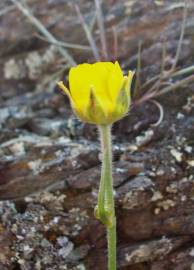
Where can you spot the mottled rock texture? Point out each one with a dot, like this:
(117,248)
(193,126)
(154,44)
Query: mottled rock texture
(50,162)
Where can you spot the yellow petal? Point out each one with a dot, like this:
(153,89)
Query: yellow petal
(100,74)
(115,81)
(85,76)
(79,83)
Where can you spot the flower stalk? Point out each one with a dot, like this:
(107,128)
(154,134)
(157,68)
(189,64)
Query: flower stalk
(105,210)
(99,94)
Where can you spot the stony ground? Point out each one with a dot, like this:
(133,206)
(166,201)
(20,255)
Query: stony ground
(50,162)
(49,154)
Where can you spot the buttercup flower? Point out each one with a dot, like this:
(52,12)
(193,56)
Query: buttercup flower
(99,93)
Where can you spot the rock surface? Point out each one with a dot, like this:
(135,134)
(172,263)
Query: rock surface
(50,161)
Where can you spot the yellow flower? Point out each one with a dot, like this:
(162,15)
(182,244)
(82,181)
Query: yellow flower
(99,93)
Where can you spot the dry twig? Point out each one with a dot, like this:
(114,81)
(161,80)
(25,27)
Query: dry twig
(181,35)
(137,81)
(161,111)
(175,86)
(100,21)
(66,44)
(88,33)
(163,78)
(44,31)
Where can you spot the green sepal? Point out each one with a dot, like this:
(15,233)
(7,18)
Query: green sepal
(94,111)
(123,98)
(122,103)
(105,216)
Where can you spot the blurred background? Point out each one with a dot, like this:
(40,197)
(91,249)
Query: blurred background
(49,160)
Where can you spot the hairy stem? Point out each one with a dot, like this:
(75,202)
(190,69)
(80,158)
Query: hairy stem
(106,208)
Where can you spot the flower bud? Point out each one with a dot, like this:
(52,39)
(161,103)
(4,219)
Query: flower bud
(99,93)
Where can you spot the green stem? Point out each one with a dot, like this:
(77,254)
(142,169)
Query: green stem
(106,208)
(111,236)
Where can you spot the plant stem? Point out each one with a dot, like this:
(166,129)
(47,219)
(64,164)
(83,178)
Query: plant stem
(111,236)
(106,208)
